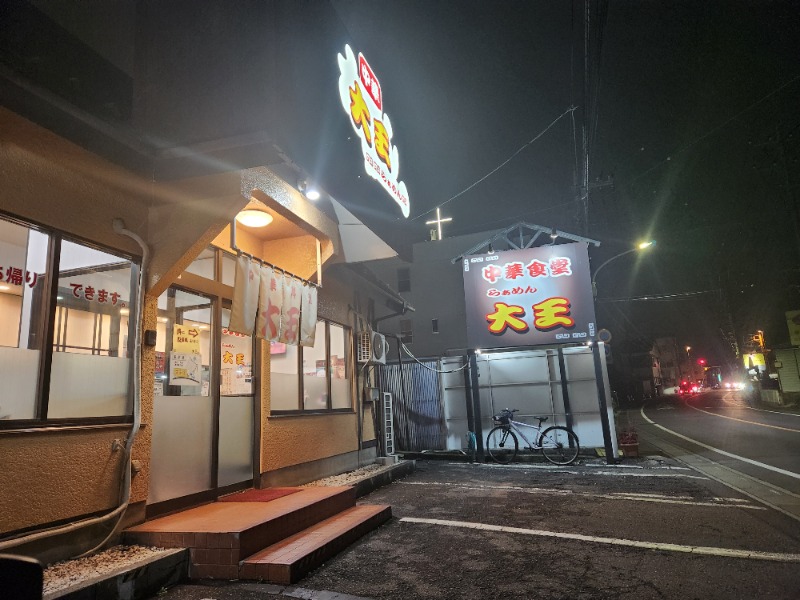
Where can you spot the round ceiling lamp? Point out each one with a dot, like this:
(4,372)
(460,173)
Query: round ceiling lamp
(253,217)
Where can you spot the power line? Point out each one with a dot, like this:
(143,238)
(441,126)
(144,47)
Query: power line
(659,297)
(710,132)
(500,166)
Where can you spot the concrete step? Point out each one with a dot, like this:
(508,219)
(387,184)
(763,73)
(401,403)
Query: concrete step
(289,560)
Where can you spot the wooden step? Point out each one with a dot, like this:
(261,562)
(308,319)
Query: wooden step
(221,534)
(289,560)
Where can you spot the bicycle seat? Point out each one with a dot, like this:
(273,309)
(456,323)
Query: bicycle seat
(541,419)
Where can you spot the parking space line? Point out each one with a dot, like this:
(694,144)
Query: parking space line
(633,497)
(703,550)
(634,474)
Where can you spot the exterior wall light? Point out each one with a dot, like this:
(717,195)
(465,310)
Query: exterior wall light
(309,191)
(253,217)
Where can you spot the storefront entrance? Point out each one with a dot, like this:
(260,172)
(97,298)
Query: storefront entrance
(204,400)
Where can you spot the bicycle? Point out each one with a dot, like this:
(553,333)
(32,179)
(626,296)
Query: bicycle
(558,444)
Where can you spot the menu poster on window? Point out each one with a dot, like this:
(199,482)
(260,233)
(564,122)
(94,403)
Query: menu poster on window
(236,375)
(184,368)
(160,362)
(338,367)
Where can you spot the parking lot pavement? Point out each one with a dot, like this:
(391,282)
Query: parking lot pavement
(649,528)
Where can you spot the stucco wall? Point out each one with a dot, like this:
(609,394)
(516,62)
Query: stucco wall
(289,440)
(297,255)
(50,181)
(52,476)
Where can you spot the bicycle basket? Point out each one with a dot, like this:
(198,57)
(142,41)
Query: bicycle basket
(502,418)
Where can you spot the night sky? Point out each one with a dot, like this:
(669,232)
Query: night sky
(692,115)
(690,109)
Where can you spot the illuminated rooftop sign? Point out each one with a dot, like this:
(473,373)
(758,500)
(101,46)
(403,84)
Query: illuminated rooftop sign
(362,100)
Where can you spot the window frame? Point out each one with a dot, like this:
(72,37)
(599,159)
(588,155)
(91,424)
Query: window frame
(301,410)
(44,323)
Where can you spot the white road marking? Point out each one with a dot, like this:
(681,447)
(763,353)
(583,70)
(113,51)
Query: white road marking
(618,474)
(555,469)
(667,467)
(747,485)
(776,412)
(657,498)
(742,420)
(705,550)
(520,466)
(717,450)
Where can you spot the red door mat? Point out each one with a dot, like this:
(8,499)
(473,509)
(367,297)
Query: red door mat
(264,495)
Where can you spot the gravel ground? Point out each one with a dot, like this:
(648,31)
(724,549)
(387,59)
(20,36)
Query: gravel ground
(70,573)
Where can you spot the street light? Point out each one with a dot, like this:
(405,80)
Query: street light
(641,246)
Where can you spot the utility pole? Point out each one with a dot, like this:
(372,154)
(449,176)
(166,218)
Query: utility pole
(791,198)
(584,187)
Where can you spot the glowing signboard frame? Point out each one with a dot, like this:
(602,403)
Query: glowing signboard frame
(362,100)
(530,297)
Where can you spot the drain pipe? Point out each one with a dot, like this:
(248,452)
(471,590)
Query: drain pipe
(119,227)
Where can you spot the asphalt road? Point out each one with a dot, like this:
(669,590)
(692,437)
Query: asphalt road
(756,449)
(649,528)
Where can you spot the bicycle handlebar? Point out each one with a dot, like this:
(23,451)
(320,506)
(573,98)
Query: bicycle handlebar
(511,411)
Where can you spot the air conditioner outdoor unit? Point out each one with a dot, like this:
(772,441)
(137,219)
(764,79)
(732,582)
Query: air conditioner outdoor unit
(379,348)
(372,347)
(364,346)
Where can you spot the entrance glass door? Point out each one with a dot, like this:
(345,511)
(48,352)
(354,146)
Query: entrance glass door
(183,405)
(236,406)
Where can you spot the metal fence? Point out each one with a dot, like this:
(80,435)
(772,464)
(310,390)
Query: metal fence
(418,414)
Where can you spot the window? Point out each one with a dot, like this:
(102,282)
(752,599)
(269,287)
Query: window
(23,257)
(204,264)
(284,381)
(319,374)
(340,367)
(434,325)
(406,331)
(315,372)
(91,360)
(404,280)
(65,350)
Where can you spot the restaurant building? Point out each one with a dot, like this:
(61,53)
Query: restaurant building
(131,136)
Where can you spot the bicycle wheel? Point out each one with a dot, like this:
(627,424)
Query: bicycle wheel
(559,445)
(502,445)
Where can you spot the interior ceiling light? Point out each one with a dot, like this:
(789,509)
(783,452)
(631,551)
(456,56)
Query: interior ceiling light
(254,217)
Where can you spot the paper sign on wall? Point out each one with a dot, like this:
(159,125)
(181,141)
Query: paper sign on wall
(184,368)
(186,339)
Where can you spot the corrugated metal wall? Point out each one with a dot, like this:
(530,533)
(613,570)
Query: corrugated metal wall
(418,415)
(789,371)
